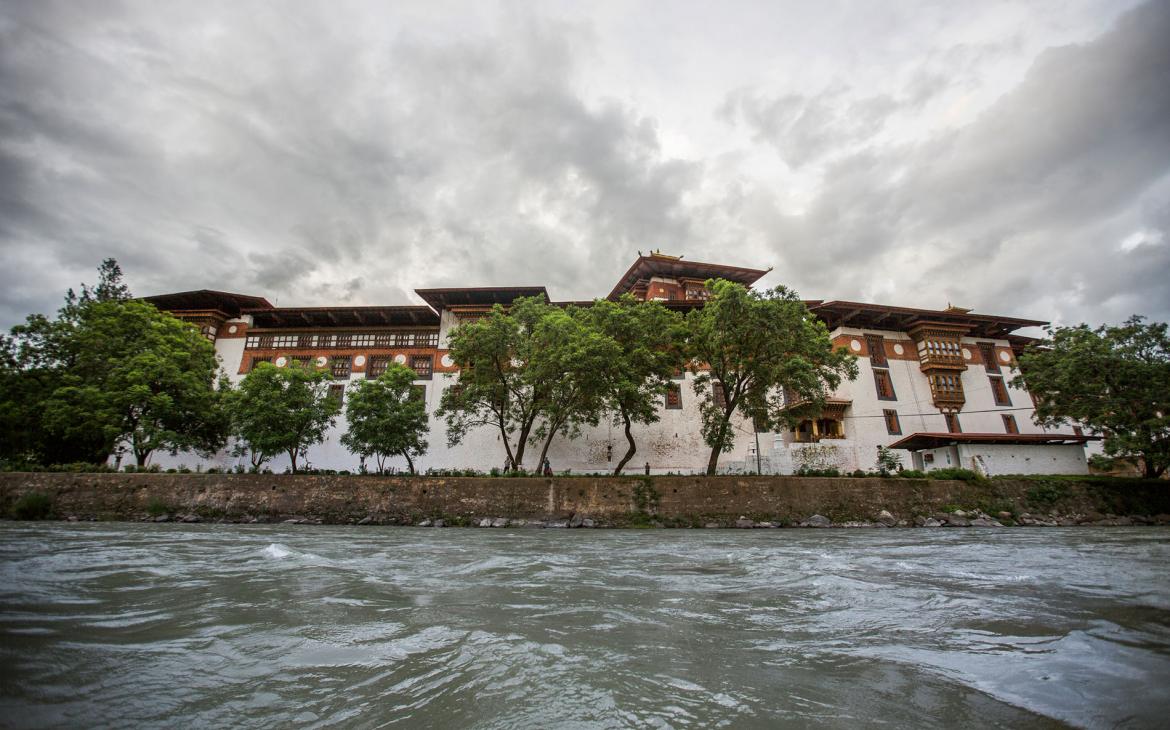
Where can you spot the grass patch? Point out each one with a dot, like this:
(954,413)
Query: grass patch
(33,506)
(156,507)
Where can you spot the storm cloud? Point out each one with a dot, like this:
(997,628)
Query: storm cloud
(348,153)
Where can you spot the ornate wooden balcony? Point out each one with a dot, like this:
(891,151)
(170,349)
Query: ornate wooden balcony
(940,361)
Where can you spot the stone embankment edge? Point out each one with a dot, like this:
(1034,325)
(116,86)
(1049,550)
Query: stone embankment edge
(674,501)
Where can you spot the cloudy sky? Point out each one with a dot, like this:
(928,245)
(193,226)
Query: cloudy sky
(1011,157)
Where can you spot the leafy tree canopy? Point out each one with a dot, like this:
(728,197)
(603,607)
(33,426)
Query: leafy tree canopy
(1113,380)
(386,418)
(635,373)
(755,346)
(282,410)
(496,387)
(139,376)
(107,370)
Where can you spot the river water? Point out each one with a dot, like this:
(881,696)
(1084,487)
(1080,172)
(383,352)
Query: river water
(126,625)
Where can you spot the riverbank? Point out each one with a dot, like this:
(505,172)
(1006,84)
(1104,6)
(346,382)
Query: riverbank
(672,501)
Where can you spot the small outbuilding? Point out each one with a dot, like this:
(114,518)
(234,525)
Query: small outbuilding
(994,454)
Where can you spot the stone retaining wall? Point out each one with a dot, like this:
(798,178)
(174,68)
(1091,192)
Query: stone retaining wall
(682,501)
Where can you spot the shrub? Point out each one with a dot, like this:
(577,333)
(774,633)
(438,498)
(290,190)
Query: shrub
(887,461)
(33,506)
(913,474)
(859,473)
(965,475)
(80,467)
(809,471)
(156,507)
(1101,462)
(1046,493)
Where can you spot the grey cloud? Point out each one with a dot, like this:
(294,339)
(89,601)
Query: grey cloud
(805,128)
(1021,210)
(323,154)
(247,148)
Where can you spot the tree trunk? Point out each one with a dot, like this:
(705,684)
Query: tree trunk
(409,463)
(630,451)
(1152,472)
(544,451)
(507,445)
(292,457)
(713,462)
(521,443)
(141,457)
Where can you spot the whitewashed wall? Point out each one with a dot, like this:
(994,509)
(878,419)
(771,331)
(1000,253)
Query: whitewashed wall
(675,444)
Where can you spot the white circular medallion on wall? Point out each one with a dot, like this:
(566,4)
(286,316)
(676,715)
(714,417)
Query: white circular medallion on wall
(1005,357)
(898,349)
(281,362)
(855,345)
(321,360)
(359,360)
(447,361)
(400,359)
(966,354)
(233,329)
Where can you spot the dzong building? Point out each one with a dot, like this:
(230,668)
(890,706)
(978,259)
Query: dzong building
(935,384)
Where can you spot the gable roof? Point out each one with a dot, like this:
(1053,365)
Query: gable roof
(657,264)
(440,299)
(207,299)
(880,316)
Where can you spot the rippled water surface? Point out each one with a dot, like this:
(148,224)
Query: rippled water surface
(295,626)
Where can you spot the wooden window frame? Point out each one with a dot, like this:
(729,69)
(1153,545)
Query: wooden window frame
(878,374)
(893,424)
(256,360)
(673,393)
(1009,423)
(990,361)
(877,351)
(341,367)
(377,365)
(426,372)
(337,393)
(999,390)
(953,425)
(718,395)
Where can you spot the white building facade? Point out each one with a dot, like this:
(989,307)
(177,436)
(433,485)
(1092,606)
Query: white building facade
(933,384)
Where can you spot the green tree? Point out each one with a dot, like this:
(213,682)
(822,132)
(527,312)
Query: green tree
(568,366)
(138,376)
(496,387)
(755,346)
(106,370)
(282,410)
(635,377)
(1112,380)
(386,418)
